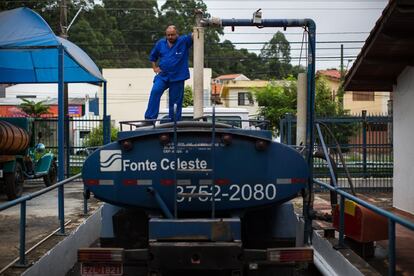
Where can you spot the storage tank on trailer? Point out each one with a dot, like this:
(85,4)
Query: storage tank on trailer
(248,168)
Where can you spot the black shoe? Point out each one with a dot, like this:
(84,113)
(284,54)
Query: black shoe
(144,124)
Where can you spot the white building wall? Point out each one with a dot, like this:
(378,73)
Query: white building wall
(128,92)
(233,100)
(403,113)
(44,91)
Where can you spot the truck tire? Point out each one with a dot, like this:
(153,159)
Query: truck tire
(51,176)
(14,182)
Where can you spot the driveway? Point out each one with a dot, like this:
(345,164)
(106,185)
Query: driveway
(42,218)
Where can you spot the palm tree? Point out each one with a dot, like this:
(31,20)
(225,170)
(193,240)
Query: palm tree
(34,109)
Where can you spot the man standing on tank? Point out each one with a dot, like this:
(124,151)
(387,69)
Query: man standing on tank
(169,59)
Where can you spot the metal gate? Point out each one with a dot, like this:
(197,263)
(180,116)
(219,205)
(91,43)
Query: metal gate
(366,144)
(79,144)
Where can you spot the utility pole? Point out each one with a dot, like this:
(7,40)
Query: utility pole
(340,92)
(63,19)
(342,62)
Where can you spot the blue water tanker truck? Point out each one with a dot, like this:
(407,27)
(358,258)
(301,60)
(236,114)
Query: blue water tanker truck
(195,195)
(202,197)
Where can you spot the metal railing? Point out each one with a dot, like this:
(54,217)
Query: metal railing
(392,218)
(22,201)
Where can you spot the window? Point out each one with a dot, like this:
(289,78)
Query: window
(230,120)
(363,96)
(245,98)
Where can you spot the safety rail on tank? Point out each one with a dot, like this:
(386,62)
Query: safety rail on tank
(22,201)
(209,171)
(392,218)
(234,123)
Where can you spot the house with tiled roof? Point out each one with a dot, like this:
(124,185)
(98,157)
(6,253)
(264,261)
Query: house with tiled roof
(218,82)
(374,102)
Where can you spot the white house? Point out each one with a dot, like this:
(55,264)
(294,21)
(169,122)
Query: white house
(386,64)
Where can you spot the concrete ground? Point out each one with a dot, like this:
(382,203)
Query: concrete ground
(404,237)
(42,220)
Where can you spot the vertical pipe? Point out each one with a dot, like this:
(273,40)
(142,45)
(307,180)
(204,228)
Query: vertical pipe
(198,39)
(176,162)
(213,149)
(106,120)
(61,209)
(364,142)
(310,118)
(289,128)
(342,62)
(301,110)
(61,114)
(67,129)
(391,247)
(22,249)
(341,222)
(282,131)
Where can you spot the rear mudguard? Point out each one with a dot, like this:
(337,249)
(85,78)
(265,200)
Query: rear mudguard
(42,165)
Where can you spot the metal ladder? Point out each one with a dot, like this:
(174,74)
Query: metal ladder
(210,171)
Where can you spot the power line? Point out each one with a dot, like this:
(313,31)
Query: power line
(232,33)
(252,9)
(222,43)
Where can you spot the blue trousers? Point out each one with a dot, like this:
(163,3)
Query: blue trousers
(176,94)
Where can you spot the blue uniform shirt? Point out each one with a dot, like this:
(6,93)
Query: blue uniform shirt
(173,61)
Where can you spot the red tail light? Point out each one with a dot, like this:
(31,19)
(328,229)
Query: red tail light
(86,255)
(290,255)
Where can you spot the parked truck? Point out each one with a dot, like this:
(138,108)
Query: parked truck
(21,158)
(195,196)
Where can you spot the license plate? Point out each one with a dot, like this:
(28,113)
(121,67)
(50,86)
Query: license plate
(101,269)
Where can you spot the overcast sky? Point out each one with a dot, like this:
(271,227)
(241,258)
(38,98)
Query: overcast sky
(336,21)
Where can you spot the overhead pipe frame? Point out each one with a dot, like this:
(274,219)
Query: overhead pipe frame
(310,114)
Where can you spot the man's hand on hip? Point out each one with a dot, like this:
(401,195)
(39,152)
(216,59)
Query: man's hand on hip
(157,70)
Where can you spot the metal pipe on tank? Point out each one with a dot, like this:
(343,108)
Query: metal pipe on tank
(198,45)
(301,110)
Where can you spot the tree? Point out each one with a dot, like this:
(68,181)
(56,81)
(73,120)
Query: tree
(277,99)
(34,109)
(119,34)
(95,137)
(188,96)
(276,56)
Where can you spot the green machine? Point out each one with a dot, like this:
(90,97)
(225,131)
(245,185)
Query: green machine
(21,158)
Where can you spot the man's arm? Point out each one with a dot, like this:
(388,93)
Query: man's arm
(155,67)
(189,40)
(154,55)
